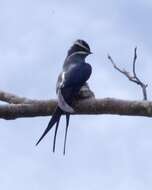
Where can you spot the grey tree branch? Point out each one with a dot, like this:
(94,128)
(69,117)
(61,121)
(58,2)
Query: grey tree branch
(85,92)
(88,106)
(132,77)
(14,99)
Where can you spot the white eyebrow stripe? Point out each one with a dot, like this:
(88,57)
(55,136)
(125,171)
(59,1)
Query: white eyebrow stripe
(78,52)
(79,44)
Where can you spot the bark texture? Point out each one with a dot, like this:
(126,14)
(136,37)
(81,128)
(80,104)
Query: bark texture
(90,106)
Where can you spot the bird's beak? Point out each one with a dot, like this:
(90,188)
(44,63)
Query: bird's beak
(90,52)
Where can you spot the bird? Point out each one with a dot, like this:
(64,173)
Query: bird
(75,73)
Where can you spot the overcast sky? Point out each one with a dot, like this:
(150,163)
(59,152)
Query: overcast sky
(103,152)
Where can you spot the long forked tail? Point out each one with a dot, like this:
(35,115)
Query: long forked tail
(66,131)
(55,118)
(55,133)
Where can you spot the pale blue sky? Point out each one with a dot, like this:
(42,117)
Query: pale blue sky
(103,152)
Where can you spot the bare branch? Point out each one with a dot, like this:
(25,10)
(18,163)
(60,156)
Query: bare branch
(132,77)
(85,103)
(123,71)
(83,107)
(14,99)
(85,92)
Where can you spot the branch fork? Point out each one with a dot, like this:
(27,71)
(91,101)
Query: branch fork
(132,77)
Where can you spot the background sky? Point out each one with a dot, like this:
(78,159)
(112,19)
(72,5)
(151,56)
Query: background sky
(103,152)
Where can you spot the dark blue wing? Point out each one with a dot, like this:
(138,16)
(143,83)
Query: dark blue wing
(74,79)
(77,75)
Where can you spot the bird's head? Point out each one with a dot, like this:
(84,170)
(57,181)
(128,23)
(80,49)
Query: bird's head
(79,47)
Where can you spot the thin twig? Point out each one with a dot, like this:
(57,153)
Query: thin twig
(123,71)
(143,86)
(134,62)
(132,77)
